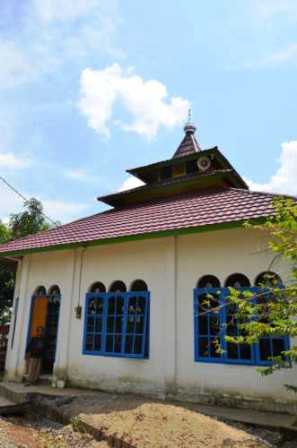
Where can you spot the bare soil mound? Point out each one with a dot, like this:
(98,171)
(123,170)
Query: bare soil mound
(157,425)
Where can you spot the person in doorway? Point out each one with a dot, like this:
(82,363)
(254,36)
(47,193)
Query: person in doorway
(34,354)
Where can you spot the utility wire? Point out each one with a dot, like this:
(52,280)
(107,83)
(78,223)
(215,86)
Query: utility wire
(24,198)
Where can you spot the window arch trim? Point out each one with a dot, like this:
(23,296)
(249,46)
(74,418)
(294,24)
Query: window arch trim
(239,275)
(37,292)
(138,282)
(268,273)
(120,284)
(100,285)
(208,278)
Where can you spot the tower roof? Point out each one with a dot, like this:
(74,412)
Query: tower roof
(189,144)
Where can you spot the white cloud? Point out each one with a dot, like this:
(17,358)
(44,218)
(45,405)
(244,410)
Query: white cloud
(130,182)
(58,210)
(18,66)
(268,9)
(10,161)
(286,55)
(55,32)
(61,10)
(9,203)
(63,211)
(147,102)
(284,180)
(79,174)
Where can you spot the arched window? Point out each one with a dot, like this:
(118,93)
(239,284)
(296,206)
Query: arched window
(215,317)
(97,287)
(40,291)
(235,352)
(51,327)
(118,286)
(54,294)
(207,324)
(269,345)
(117,322)
(94,324)
(237,281)
(209,281)
(268,279)
(139,285)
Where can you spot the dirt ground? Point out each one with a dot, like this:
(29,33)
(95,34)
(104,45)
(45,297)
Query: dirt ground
(143,423)
(155,425)
(130,422)
(31,432)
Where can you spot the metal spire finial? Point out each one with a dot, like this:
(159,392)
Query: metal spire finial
(189,115)
(189,127)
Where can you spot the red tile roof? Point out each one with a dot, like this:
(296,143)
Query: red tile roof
(194,210)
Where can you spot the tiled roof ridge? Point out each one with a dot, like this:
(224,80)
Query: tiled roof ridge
(213,205)
(54,229)
(156,201)
(266,193)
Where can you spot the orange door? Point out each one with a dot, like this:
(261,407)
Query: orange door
(39,314)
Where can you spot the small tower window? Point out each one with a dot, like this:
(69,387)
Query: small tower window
(166,173)
(191,166)
(179,170)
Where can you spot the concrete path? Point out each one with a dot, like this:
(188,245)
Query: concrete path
(19,393)
(265,419)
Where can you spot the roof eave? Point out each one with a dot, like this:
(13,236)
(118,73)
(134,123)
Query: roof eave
(135,171)
(116,199)
(148,235)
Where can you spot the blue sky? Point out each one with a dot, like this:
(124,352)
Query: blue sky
(89,88)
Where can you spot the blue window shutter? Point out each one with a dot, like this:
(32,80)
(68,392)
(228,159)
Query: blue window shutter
(200,334)
(119,317)
(223,320)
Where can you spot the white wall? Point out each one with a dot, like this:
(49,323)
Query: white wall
(151,261)
(36,270)
(221,254)
(171,267)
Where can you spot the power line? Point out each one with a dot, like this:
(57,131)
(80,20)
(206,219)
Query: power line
(12,188)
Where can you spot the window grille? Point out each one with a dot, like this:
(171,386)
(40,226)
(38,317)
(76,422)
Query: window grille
(214,318)
(116,324)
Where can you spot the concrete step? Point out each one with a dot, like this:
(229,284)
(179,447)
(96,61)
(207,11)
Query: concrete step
(8,392)
(8,407)
(20,393)
(45,380)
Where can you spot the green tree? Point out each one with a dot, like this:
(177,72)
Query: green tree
(4,233)
(29,221)
(273,311)
(7,275)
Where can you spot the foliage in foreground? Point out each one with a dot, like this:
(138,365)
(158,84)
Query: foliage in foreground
(273,311)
